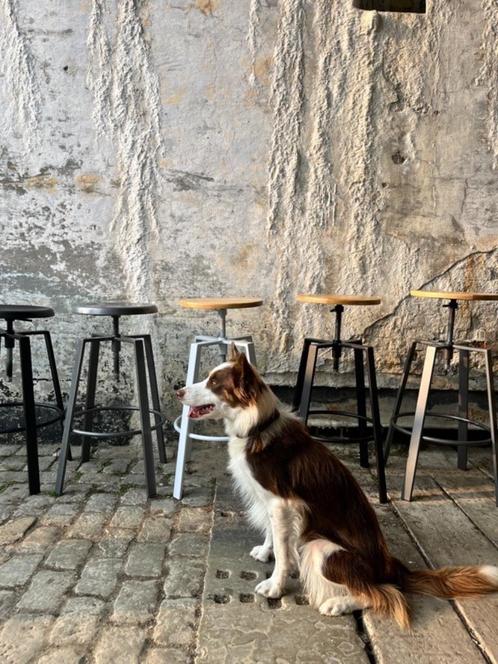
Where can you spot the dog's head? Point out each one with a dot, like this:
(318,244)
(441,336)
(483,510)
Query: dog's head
(229,388)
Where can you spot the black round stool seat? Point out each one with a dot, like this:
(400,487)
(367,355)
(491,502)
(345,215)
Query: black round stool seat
(12,312)
(116,309)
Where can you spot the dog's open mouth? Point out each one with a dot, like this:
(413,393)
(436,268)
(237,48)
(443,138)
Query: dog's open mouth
(199,411)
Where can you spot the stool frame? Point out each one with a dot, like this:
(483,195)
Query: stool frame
(145,369)
(416,431)
(10,337)
(304,386)
(183,424)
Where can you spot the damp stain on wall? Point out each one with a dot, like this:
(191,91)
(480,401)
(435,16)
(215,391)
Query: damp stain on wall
(260,148)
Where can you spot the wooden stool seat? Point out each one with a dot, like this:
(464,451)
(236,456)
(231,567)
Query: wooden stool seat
(456,295)
(219,303)
(339,299)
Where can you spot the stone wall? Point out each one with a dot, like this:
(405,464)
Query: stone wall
(154,149)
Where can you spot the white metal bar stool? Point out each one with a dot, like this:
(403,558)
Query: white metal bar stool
(183,424)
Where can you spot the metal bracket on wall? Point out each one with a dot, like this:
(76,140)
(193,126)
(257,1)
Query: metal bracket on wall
(407,6)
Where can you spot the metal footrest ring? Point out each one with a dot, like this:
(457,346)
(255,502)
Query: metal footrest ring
(39,425)
(446,441)
(115,434)
(198,436)
(343,413)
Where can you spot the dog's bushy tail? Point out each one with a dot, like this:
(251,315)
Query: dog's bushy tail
(389,601)
(453,582)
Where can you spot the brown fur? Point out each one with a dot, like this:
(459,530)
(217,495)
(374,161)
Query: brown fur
(234,385)
(449,582)
(287,461)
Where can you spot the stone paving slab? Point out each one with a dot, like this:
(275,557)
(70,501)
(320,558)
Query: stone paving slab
(239,626)
(15,529)
(78,621)
(120,645)
(145,559)
(99,577)
(136,601)
(69,655)
(177,621)
(69,554)
(46,591)
(22,637)
(437,633)
(448,537)
(40,539)
(18,570)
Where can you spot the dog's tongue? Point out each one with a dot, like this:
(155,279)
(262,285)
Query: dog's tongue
(198,411)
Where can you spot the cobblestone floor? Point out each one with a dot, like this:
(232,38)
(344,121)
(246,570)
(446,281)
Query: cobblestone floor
(102,574)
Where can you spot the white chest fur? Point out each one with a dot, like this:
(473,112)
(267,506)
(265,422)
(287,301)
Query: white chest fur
(256,497)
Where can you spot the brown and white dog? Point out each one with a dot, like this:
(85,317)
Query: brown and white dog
(310,508)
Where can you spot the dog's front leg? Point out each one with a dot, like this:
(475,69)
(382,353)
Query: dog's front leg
(281,525)
(263,552)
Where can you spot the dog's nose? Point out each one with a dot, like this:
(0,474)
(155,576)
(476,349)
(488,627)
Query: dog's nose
(180,393)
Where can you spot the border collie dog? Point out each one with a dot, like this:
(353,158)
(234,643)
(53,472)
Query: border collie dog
(312,512)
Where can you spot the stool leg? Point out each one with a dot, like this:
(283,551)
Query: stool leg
(361,405)
(68,420)
(418,424)
(248,349)
(154,393)
(53,370)
(143,402)
(492,416)
(183,452)
(298,390)
(309,377)
(377,425)
(55,378)
(28,399)
(91,383)
(463,407)
(399,399)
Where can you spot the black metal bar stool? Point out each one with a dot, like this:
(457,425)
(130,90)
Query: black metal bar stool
(11,313)
(416,432)
(361,352)
(145,369)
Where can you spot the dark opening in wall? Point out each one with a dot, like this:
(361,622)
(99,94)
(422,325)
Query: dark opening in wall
(413,6)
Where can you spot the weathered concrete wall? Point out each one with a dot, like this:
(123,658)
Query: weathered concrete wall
(156,149)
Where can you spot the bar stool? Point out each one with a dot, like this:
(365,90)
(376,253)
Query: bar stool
(432,348)
(145,369)
(18,312)
(183,424)
(306,377)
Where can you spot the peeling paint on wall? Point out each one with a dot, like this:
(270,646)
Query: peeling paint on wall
(368,171)
(320,203)
(287,103)
(252,37)
(363,154)
(137,131)
(99,74)
(488,76)
(20,79)
(127,101)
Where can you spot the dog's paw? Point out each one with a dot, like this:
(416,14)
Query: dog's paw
(269,588)
(261,553)
(335,607)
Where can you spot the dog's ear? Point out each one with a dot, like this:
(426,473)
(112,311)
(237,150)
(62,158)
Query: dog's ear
(245,378)
(233,353)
